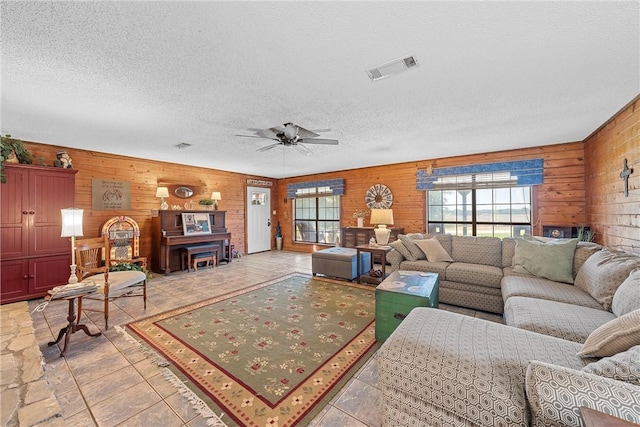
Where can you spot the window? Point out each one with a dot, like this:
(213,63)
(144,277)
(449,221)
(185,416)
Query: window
(317,216)
(499,212)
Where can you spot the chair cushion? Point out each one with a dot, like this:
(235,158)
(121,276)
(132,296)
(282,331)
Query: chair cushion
(118,280)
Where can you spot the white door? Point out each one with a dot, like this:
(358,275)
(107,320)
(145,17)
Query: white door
(258,219)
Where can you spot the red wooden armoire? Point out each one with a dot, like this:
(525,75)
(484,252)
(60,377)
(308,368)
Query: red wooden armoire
(33,256)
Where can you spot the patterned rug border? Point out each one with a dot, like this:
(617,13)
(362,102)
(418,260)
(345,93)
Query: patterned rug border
(178,377)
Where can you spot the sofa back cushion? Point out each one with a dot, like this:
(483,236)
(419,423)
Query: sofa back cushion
(508,251)
(551,260)
(583,251)
(627,297)
(477,250)
(603,272)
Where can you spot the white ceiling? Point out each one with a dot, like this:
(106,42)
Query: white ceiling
(137,78)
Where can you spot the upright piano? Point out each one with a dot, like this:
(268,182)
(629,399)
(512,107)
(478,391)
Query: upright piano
(168,238)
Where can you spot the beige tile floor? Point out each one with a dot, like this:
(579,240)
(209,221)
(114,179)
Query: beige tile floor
(109,381)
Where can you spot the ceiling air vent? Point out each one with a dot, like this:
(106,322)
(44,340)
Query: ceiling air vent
(392,67)
(182,145)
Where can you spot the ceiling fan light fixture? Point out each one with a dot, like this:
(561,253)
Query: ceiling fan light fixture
(392,67)
(182,145)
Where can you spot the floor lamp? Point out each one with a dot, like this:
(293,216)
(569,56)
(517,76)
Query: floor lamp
(382,218)
(72,227)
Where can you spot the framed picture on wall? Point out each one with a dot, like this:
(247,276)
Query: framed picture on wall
(195,223)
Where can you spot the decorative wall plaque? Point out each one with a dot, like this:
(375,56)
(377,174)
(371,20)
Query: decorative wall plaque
(110,195)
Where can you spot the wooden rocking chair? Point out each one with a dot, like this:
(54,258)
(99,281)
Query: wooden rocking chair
(93,261)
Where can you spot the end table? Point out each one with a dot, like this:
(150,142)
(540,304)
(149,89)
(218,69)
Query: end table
(72,327)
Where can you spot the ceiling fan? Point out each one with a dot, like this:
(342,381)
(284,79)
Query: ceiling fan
(290,135)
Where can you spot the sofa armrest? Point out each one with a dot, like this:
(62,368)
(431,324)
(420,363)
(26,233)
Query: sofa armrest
(394,258)
(555,394)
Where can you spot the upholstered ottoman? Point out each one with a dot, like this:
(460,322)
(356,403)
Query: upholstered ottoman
(339,262)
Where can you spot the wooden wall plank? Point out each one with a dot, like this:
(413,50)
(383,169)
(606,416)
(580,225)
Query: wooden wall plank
(611,215)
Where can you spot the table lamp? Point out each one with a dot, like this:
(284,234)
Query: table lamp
(72,227)
(216,196)
(163,192)
(382,218)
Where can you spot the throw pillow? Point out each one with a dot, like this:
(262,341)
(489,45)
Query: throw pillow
(627,297)
(401,248)
(551,260)
(623,366)
(603,272)
(433,250)
(409,242)
(615,336)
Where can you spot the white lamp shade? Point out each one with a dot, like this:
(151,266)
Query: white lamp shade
(381,216)
(71,222)
(216,196)
(162,192)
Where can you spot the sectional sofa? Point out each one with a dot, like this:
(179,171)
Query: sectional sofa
(571,339)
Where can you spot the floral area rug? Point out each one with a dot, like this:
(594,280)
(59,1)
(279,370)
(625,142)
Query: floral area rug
(269,355)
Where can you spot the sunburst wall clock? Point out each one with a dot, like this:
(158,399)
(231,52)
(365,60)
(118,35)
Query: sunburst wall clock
(379,196)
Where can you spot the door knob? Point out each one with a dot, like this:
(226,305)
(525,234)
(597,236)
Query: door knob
(268,223)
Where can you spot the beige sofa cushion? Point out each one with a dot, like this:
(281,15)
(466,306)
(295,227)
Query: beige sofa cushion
(623,366)
(401,248)
(627,297)
(551,260)
(603,272)
(615,336)
(558,319)
(508,251)
(477,250)
(535,287)
(477,274)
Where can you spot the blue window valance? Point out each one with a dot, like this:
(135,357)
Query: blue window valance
(488,175)
(327,187)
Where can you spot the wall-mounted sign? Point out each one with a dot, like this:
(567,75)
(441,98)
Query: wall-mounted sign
(110,195)
(259,182)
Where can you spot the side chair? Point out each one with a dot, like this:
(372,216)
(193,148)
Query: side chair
(93,262)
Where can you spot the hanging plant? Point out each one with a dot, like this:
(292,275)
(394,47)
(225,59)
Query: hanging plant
(10,146)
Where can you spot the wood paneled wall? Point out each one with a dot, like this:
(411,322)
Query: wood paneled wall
(581,186)
(560,201)
(614,217)
(144,176)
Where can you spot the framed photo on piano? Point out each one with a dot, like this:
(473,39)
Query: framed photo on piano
(195,223)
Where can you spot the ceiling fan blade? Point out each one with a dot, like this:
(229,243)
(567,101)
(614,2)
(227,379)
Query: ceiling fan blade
(258,136)
(268,147)
(306,133)
(304,150)
(319,141)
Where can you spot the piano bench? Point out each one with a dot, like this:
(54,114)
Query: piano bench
(202,252)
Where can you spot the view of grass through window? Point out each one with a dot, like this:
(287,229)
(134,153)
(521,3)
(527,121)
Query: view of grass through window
(498,212)
(317,218)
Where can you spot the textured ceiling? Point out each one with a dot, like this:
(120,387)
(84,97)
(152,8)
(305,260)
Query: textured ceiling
(137,78)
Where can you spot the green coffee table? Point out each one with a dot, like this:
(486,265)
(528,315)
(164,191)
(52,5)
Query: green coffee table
(400,293)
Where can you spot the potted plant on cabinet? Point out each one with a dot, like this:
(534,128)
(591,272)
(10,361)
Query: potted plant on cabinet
(278,237)
(205,204)
(12,150)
